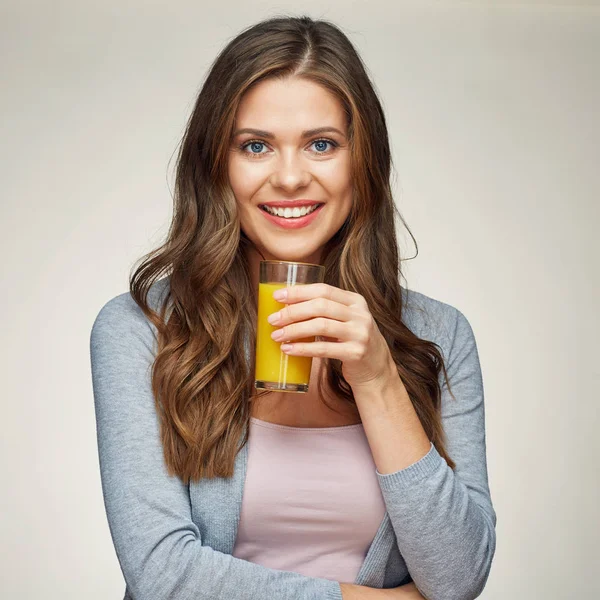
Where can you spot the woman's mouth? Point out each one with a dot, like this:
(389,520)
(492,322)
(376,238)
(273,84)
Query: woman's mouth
(291,218)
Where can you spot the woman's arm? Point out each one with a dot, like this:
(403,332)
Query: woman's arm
(158,545)
(444,520)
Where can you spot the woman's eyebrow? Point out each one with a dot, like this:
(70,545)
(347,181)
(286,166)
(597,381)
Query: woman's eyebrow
(305,134)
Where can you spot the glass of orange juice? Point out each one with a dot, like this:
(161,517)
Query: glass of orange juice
(274,369)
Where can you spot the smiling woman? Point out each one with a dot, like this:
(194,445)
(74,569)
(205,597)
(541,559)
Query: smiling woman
(375,478)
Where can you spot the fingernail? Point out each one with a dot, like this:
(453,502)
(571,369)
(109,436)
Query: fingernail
(274,318)
(280,294)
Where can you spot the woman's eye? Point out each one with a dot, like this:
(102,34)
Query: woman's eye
(253,146)
(322,145)
(256,146)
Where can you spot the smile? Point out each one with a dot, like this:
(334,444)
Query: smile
(291,218)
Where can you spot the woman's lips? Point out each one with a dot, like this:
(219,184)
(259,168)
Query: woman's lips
(293,223)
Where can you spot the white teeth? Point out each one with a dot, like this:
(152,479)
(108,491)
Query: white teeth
(288,213)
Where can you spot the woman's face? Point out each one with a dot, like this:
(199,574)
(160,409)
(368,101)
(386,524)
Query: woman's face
(280,163)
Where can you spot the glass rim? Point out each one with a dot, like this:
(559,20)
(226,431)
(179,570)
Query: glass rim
(290,262)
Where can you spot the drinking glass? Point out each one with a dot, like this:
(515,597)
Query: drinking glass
(275,370)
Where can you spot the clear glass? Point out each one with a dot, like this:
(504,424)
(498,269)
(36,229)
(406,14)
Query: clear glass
(276,370)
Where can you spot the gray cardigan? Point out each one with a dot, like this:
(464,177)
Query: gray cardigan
(174,541)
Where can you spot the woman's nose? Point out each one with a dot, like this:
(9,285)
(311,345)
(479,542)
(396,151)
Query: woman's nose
(290,171)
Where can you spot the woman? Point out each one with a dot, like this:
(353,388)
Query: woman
(374,483)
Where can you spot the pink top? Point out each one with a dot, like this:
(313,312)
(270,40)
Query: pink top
(311,502)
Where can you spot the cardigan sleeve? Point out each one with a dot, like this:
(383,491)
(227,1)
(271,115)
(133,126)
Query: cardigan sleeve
(158,545)
(444,520)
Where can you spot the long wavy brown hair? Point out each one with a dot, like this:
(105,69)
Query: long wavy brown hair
(201,376)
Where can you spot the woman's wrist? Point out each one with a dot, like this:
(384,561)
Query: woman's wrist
(351,591)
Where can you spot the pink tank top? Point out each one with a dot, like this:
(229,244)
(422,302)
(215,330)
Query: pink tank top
(311,502)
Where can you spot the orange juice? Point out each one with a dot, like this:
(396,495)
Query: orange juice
(273,366)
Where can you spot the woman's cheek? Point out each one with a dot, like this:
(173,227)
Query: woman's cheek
(249,175)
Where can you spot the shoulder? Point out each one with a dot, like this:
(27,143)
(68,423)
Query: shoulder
(121,314)
(436,321)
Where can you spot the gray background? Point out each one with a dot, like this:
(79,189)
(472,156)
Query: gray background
(493,116)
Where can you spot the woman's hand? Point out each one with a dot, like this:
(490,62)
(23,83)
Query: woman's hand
(409,591)
(345,325)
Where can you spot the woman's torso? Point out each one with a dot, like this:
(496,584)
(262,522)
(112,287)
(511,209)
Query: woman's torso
(311,501)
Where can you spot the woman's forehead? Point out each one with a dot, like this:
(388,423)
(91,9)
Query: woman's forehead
(290,106)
